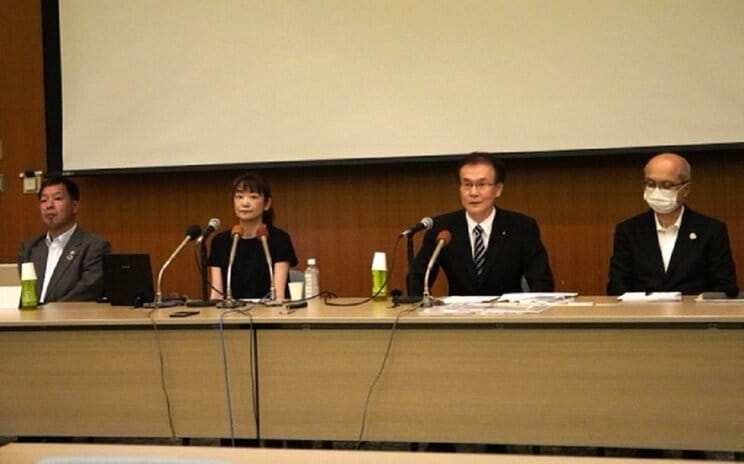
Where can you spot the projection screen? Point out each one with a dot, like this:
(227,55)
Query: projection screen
(175,83)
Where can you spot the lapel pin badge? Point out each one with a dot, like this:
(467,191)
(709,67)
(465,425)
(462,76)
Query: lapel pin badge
(693,235)
(71,255)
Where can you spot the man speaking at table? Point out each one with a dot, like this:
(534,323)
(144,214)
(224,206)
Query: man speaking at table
(491,248)
(671,247)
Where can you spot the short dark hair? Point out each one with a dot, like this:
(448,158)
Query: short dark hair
(70,186)
(485,158)
(255,183)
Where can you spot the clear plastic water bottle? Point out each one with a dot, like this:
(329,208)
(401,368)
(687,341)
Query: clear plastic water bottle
(312,285)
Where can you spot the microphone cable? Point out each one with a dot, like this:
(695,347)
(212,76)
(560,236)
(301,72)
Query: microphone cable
(327,297)
(162,372)
(228,394)
(379,375)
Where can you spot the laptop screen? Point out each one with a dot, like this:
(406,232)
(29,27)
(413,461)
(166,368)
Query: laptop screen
(127,279)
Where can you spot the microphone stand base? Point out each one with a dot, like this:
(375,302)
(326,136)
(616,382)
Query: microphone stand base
(163,304)
(427,301)
(229,304)
(406,299)
(201,303)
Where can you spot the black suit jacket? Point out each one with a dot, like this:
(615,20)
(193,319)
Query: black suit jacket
(701,260)
(79,272)
(514,250)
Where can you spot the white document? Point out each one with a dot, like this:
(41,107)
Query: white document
(719,297)
(536,296)
(484,308)
(10,297)
(650,296)
(455,299)
(490,304)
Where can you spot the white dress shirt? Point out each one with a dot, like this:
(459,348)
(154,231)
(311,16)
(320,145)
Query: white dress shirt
(668,238)
(56,247)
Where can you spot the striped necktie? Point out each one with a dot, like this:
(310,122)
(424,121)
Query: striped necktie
(479,251)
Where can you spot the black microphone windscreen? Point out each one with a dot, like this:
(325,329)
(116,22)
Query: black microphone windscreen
(193,231)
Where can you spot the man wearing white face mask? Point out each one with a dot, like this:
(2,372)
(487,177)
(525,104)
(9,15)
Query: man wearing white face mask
(671,247)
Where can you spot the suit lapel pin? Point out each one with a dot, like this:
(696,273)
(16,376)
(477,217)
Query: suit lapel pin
(693,235)
(503,233)
(70,256)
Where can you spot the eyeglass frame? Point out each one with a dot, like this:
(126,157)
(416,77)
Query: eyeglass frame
(479,186)
(663,185)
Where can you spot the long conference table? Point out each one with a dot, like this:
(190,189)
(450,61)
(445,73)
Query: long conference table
(594,372)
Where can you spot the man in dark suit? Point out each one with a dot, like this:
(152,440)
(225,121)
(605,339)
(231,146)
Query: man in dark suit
(68,260)
(670,247)
(491,249)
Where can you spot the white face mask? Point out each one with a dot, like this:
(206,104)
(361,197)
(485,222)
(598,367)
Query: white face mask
(660,200)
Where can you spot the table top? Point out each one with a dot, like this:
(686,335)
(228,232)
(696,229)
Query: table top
(32,453)
(582,310)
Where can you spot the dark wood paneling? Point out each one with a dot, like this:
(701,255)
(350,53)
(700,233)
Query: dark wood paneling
(21,119)
(339,215)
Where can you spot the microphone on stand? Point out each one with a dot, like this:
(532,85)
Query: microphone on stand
(228,300)
(443,239)
(263,234)
(212,225)
(191,233)
(424,223)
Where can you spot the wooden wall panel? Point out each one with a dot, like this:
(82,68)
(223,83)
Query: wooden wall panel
(21,119)
(337,214)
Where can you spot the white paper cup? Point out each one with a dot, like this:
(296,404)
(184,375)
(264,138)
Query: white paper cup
(379,261)
(295,290)
(28,272)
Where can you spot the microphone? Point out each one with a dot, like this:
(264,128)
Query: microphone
(228,301)
(192,232)
(263,234)
(443,239)
(212,225)
(425,223)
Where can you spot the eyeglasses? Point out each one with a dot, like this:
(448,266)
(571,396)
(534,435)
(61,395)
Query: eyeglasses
(479,186)
(664,185)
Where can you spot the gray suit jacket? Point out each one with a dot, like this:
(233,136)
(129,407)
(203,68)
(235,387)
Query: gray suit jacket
(79,272)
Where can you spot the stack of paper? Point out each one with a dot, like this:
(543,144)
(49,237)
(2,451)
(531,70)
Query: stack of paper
(520,303)
(650,296)
(536,296)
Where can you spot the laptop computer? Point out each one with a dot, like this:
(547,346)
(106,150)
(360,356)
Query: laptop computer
(127,279)
(10,286)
